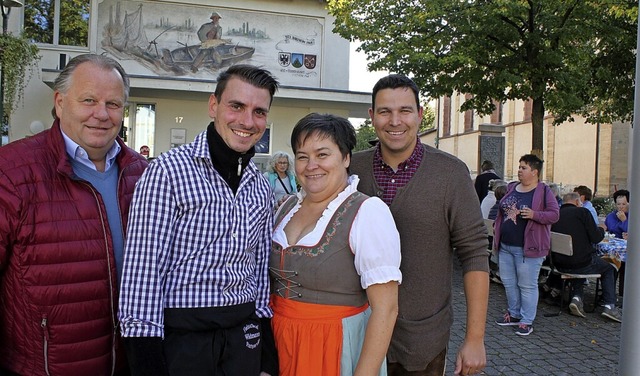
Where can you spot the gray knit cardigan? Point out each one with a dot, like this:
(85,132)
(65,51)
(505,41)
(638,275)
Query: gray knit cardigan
(436,213)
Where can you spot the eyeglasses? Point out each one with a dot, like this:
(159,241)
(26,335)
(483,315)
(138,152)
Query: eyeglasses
(283,163)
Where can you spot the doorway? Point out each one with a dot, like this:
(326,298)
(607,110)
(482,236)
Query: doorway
(140,126)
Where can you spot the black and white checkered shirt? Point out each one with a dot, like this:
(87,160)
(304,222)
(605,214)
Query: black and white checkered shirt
(192,243)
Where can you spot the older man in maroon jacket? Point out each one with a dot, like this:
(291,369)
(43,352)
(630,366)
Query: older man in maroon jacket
(64,201)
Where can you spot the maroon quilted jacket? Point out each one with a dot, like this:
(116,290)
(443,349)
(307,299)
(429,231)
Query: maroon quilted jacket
(58,285)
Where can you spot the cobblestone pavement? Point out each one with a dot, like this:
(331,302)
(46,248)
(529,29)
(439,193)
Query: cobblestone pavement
(565,345)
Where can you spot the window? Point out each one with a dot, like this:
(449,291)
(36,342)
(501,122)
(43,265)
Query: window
(139,127)
(58,22)
(263,146)
(528,106)
(446,116)
(468,116)
(496,115)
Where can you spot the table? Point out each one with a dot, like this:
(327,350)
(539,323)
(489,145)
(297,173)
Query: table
(613,250)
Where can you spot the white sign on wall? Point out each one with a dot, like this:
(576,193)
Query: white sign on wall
(178,137)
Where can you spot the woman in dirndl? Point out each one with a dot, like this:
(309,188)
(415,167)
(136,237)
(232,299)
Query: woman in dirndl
(335,262)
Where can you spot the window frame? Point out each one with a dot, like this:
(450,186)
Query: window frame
(56,27)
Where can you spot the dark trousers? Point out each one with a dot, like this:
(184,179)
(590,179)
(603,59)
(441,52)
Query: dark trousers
(607,279)
(221,341)
(620,278)
(435,368)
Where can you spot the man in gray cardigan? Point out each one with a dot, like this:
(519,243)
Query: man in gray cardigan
(436,210)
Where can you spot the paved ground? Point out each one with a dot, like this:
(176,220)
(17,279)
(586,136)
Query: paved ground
(563,346)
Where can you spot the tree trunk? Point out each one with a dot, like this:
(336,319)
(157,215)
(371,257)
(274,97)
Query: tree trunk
(537,127)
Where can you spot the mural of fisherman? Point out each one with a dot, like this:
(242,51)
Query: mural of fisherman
(211,30)
(210,34)
(170,39)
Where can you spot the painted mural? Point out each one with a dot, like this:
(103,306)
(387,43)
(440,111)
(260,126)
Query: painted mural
(198,42)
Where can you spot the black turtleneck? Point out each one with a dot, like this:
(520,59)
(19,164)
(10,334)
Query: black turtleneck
(229,163)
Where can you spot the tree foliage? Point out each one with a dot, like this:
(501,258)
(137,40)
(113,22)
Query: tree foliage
(18,60)
(428,117)
(568,56)
(39,19)
(364,134)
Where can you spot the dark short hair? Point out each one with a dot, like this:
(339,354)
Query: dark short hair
(62,83)
(336,128)
(500,191)
(486,166)
(583,190)
(395,81)
(621,192)
(258,77)
(533,161)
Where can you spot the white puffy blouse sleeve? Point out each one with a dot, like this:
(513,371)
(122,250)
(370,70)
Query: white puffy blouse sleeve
(375,242)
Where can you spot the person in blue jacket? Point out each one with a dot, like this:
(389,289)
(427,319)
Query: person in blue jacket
(617,223)
(280,175)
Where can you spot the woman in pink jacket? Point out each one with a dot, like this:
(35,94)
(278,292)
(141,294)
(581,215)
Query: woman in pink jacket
(522,239)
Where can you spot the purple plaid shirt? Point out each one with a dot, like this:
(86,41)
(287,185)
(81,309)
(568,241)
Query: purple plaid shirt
(390,180)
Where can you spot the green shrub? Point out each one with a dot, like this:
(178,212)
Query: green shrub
(603,205)
(19,60)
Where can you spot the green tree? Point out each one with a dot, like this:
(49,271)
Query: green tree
(364,134)
(18,61)
(39,19)
(428,117)
(567,56)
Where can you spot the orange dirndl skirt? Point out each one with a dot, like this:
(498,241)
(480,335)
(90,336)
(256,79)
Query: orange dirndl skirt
(309,336)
